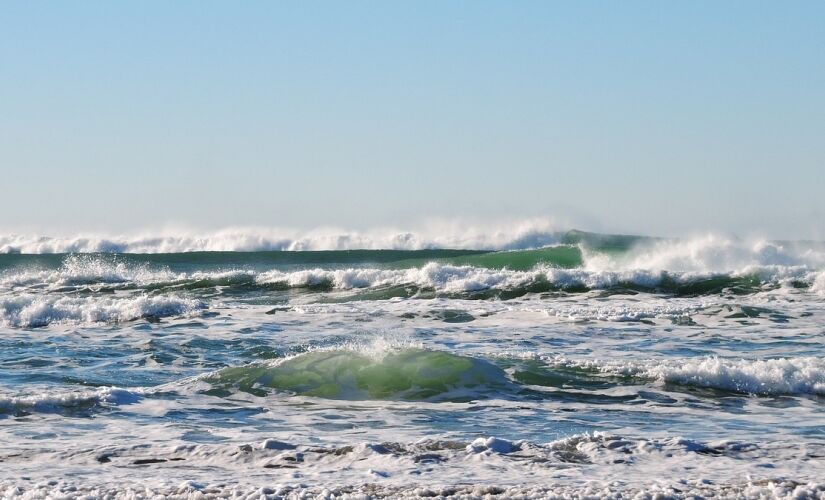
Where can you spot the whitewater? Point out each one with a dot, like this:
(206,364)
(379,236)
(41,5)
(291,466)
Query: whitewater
(519,361)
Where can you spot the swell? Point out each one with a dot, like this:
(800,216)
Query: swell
(390,371)
(410,374)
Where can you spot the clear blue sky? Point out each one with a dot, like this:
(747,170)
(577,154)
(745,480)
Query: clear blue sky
(651,117)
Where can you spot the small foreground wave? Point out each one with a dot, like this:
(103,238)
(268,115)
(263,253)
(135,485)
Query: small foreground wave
(407,374)
(391,372)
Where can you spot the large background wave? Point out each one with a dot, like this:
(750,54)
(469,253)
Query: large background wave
(509,235)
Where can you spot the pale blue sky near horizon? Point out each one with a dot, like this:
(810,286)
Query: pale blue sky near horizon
(645,117)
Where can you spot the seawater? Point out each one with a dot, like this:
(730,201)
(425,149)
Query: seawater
(547,365)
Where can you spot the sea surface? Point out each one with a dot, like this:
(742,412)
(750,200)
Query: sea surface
(548,364)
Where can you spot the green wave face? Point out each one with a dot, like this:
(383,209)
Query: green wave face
(409,374)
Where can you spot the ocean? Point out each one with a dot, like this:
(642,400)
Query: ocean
(545,364)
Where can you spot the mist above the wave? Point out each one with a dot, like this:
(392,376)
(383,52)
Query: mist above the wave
(709,253)
(500,234)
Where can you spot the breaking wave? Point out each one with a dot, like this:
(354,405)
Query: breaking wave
(31,310)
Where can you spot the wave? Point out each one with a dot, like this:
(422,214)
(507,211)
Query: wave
(33,310)
(702,267)
(84,269)
(407,374)
(68,401)
(401,371)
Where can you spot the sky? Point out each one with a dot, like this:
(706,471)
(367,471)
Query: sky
(643,117)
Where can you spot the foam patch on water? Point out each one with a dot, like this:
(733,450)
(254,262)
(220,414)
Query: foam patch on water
(33,310)
(595,465)
(56,402)
(779,489)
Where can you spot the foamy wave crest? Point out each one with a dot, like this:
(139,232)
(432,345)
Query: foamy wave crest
(460,279)
(51,402)
(436,276)
(450,278)
(93,273)
(802,375)
(532,233)
(29,310)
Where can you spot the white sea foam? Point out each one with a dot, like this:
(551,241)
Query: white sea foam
(191,490)
(35,310)
(801,375)
(593,465)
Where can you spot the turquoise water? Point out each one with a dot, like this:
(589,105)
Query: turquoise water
(614,360)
